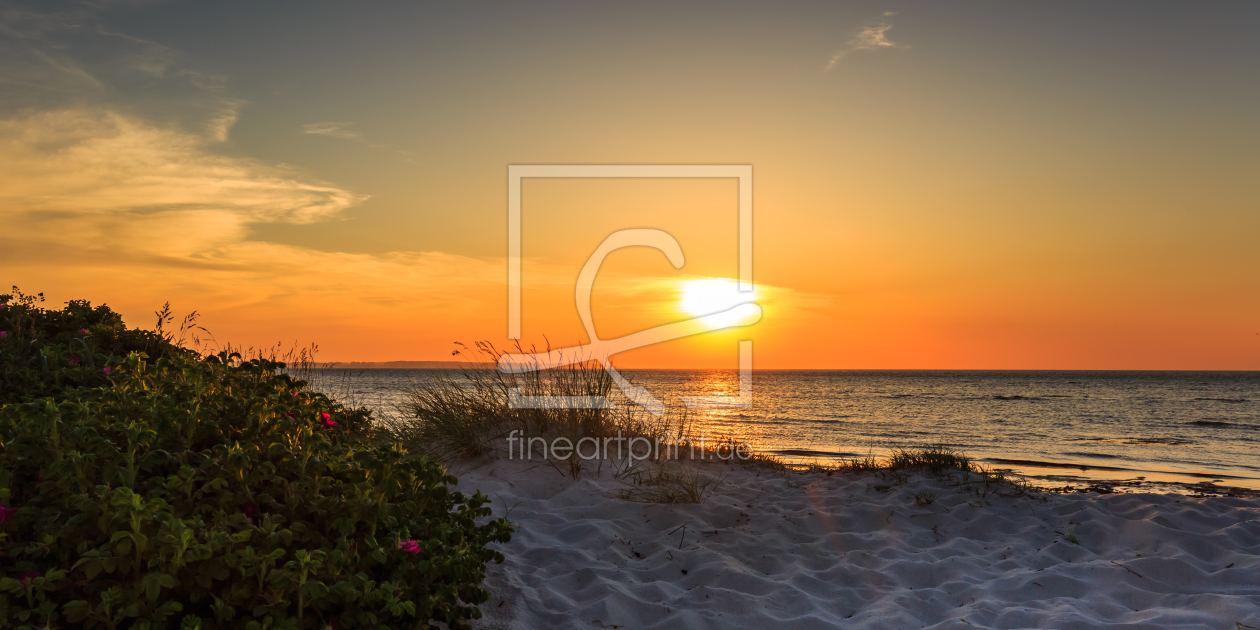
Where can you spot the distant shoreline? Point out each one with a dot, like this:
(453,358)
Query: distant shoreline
(421,365)
(405,365)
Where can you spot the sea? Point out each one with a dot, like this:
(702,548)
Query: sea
(1135,430)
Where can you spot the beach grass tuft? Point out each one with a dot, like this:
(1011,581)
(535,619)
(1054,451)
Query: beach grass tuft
(671,482)
(925,498)
(467,412)
(938,461)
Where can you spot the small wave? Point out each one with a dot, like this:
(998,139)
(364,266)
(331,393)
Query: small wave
(1216,476)
(1015,397)
(1168,441)
(828,420)
(1228,400)
(1102,455)
(1212,423)
(1040,464)
(1132,440)
(804,452)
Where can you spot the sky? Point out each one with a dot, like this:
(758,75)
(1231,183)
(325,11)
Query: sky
(981,185)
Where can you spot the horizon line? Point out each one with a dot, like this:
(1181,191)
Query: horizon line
(439,364)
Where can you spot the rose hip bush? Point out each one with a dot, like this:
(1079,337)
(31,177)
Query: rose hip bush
(43,352)
(191,492)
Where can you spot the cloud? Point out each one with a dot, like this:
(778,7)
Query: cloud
(334,129)
(101,204)
(90,165)
(872,37)
(113,187)
(49,61)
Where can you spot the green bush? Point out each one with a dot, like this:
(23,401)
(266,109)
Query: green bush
(44,352)
(193,492)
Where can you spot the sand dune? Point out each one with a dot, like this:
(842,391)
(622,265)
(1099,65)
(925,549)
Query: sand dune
(856,551)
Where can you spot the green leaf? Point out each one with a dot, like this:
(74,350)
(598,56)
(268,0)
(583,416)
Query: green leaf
(92,564)
(167,609)
(122,543)
(76,610)
(153,584)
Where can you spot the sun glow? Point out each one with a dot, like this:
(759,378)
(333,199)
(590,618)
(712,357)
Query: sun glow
(712,295)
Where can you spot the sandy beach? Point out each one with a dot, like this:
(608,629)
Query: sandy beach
(812,550)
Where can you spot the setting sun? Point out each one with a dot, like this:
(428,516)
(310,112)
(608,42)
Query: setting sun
(712,295)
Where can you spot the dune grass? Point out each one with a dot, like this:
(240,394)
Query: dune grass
(939,462)
(468,412)
(944,464)
(669,481)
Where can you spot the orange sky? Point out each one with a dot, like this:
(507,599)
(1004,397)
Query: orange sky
(993,187)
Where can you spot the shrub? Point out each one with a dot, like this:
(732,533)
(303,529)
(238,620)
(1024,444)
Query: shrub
(44,352)
(212,493)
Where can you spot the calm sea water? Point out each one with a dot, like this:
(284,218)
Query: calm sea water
(1062,426)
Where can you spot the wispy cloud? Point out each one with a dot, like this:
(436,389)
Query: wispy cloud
(105,205)
(121,182)
(334,129)
(113,187)
(871,37)
(50,60)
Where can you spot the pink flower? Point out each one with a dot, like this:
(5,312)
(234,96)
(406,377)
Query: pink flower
(75,360)
(3,334)
(327,418)
(83,331)
(5,512)
(108,371)
(250,509)
(25,577)
(410,546)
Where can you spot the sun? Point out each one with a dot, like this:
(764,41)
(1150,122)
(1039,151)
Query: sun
(712,295)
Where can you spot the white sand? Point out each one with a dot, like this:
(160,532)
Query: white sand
(812,551)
